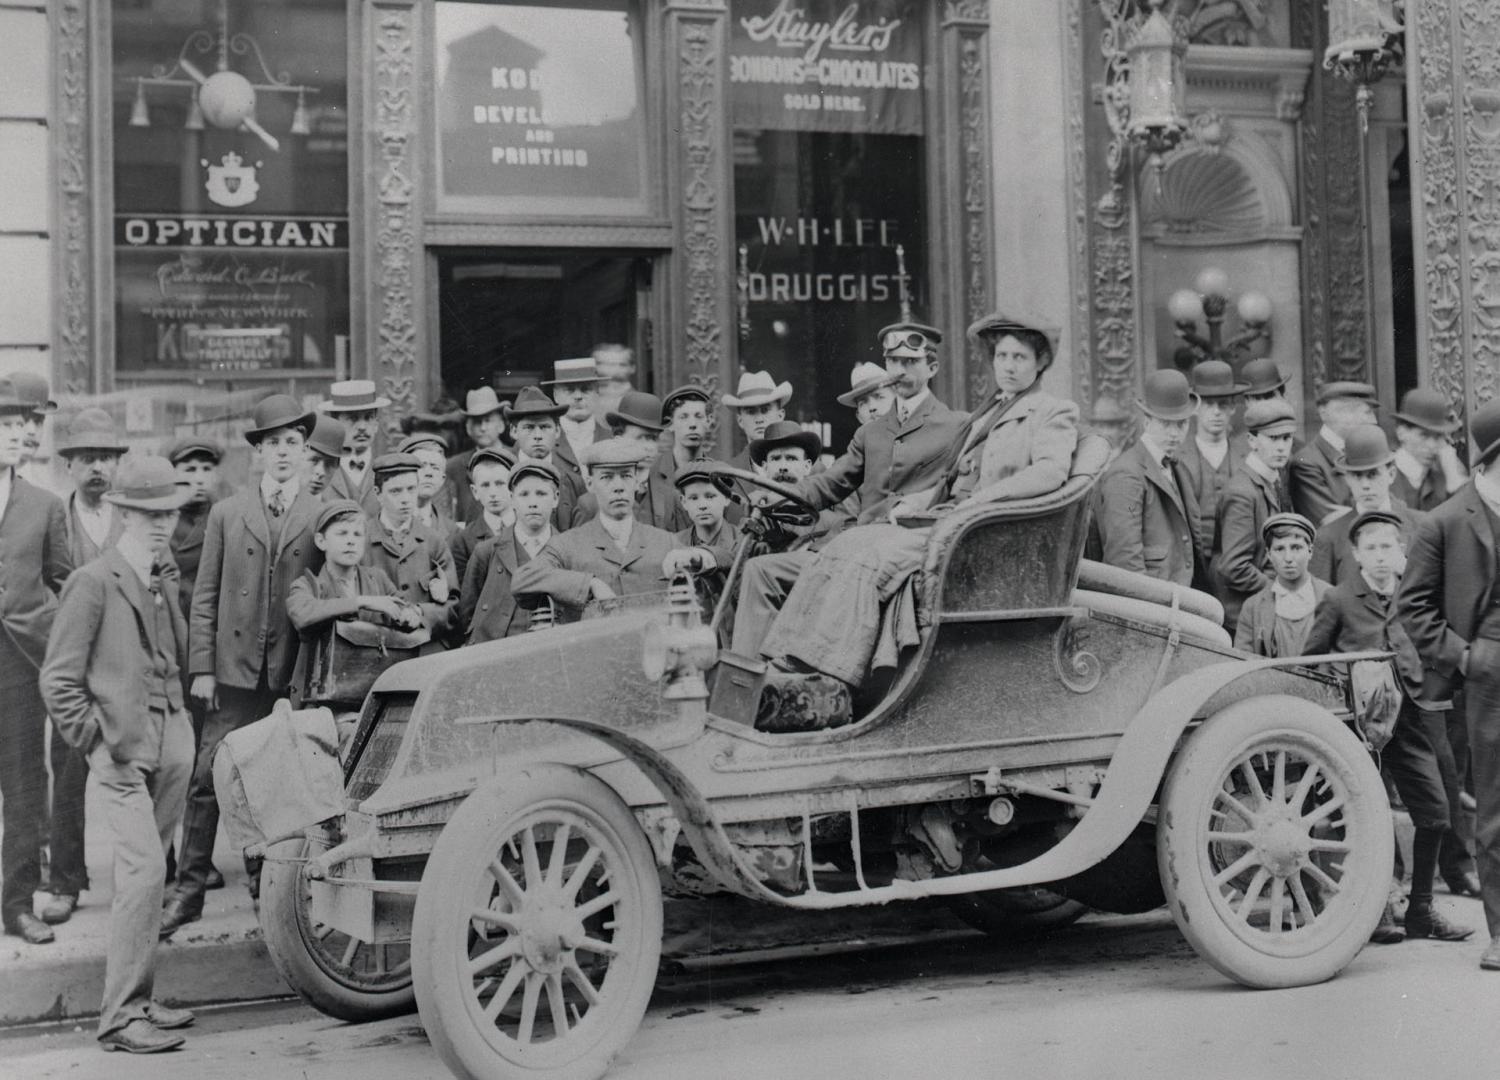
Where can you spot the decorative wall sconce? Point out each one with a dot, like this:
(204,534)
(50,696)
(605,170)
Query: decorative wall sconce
(225,99)
(1365,38)
(1207,301)
(1158,88)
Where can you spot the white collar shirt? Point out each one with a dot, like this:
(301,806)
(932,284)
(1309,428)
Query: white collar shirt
(1333,438)
(288,489)
(619,531)
(496,522)
(906,406)
(1295,603)
(580,433)
(136,555)
(533,545)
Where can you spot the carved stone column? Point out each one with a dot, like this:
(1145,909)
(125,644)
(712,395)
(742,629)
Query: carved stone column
(1453,93)
(395,267)
(75,342)
(702,338)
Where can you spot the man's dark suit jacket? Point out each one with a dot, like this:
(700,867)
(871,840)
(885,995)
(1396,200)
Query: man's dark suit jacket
(487,608)
(1432,493)
(1318,489)
(1147,524)
(1240,567)
(1352,617)
(34,563)
(1333,554)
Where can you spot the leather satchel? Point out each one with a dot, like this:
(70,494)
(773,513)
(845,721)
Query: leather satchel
(350,655)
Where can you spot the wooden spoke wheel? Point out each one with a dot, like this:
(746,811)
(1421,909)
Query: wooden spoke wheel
(333,972)
(1275,842)
(537,929)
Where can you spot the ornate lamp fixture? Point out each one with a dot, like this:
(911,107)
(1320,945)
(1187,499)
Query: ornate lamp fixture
(1158,87)
(1207,301)
(1365,37)
(225,99)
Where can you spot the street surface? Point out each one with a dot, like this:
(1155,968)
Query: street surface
(1112,998)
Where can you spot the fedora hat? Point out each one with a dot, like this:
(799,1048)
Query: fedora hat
(482,402)
(1262,376)
(1271,417)
(1167,395)
(1365,448)
(1215,379)
(194,446)
(532,402)
(1484,426)
(33,390)
(327,438)
(582,369)
(678,396)
(785,433)
(276,412)
(353,395)
(1287,519)
(146,482)
(616,452)
(1428,410)
(93,429)
(864,380)
(638,409)
(1345,389)
(757,388)
(992,327)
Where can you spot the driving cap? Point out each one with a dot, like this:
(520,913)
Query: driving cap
(909,338)
(702,472)
(276,412)
(1215,379)
(638,409)
(34,391)
(533,467)
(864,380)
(1428,410)
(678,396)
(1167,395)
(327,438)
(353,395)
(146,482)
(607,453)
(1262,376)
(392,464)
(194,446)
(757,388)
(582,369)
(1287,519)
(497,454)
(334,510)
(997,324)
(1344,389)
(423,438)
(1484,426)
(785,433)
(93,429)
(1365,448)
(1374,517)
(1273,416)
(532,403)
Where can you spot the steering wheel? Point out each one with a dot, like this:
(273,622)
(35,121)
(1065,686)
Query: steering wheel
(800,513)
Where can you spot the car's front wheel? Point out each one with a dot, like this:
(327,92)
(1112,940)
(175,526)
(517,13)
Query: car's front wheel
(1275,842)
(537,929)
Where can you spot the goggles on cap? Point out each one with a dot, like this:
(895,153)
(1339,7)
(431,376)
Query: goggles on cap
(905,339)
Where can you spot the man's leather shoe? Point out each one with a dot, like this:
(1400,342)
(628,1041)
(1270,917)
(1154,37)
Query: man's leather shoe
(215,880)
(1464,884)
(29,928)
(1426,921)
(140,1037)
(1490,961)
(167,1018)
(175,914)
(59,909)
(1387,932)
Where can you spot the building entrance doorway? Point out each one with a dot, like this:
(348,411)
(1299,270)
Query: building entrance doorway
(506,314)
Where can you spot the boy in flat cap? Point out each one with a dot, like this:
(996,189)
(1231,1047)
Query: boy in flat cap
(484,423)
(1317,487)
(487,607)
(685,412)
(33,537)
(639,418)
(112,682)
(706,547)
(1248,501)
(1359,614)
(1368,470)
(196,461)
(410,553)
(241,645)
(434,499)
(1275,621)
(489,487)
(1427,466)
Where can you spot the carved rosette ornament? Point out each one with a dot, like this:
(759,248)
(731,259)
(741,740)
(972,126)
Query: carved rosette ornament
(73,252)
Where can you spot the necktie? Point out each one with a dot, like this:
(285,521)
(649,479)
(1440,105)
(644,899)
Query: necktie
(277,503)
(153,584)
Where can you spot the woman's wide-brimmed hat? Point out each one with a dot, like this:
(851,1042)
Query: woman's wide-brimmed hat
(146,482)
(757,388)
(995,325)
(1167,395)
(785,433)
(276,412)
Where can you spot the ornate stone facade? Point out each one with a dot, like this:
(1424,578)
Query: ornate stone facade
(966,33)
(73,257)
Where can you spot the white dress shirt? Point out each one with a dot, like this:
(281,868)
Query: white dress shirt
(619,531)
(906,406)
(1212,452)
(288,490)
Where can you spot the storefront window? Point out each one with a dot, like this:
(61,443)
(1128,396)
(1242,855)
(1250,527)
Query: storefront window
(539,108)
(829,178)
(231,188)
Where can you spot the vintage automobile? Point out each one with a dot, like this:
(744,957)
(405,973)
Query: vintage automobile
(1064,735)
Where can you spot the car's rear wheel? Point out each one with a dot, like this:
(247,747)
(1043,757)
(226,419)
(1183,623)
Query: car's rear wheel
(332,971)
(1275,843)
(537,929)
(1014,914)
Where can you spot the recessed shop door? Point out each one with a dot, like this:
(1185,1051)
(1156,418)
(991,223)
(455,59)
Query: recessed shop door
(505,315)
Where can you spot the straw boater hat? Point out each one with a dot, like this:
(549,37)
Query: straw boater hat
(1428,410)
(327,438)
(194,446)
(482,402)
(532,467)
(1167,395)
(146,482)
(638,409)
(678,396)
(1262,376)
(757,388)
(864,380)
(1365,448)
(1214,379)
(33,389)
(1485,428)
(531,402)
(93,429)
(991,328)
(353,395)
(785,433)
(276,412)
(580,369)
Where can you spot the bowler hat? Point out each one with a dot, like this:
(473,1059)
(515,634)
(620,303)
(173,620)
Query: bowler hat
(533,467)
(612,452)
(580,369)
(785,433)
(146,482)
(1167,395)
(1365,448)
(992,327)
(33,389)
(700,471)
(194,446)
(638,409)
(353,395)
(422,438)
(387,465)
(327,438)
(93,429)
(864,380)
(1373,517)
(757,388)
(678,396)
(11,400)
(1273,416)
(1345,389)
(276,412)
(1215,379)
(531,402)
(497,454)
(1262,376)
(1428,410)
(1287,519)
(335,509)
(909,338)
(1484,426)
(482,402)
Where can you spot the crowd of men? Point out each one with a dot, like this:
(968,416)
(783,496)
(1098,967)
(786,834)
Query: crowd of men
(585,489)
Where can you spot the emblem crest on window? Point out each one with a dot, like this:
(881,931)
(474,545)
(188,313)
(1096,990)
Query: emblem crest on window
(232,182)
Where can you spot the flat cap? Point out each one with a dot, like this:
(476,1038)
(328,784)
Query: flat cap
(1273,416)
(334,510)
(1344,389)
(497,454)
(194,446)
(1373,517)
(609,452)
(1287,519)
(533,467)
(391,464)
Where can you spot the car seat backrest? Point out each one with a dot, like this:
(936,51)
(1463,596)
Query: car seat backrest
(1090,457)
